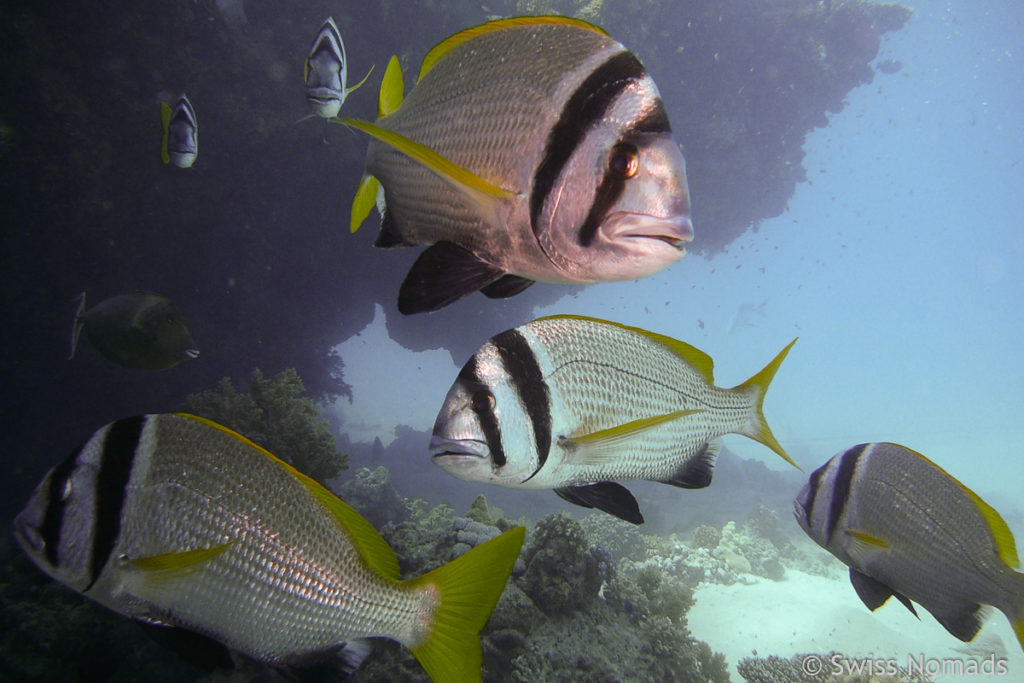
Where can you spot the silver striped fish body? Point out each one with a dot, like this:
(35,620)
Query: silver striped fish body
(568,401)
(182,134)
(908,529)
(568,123)
(289,583)
(600,376)
(325,71)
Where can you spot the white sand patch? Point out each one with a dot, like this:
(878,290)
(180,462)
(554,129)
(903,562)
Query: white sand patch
(813,614)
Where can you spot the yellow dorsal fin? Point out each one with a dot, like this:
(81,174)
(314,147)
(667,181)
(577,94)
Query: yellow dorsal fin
(363,202)
(392,88)
(1005,545)
(372,548)
(348,90)
(450,43)
(485,195)
(700,361)
(165,122)
(596,447)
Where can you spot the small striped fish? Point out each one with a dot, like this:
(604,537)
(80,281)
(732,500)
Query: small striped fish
(530,149)
(575,404)
(908,529)
(175,520)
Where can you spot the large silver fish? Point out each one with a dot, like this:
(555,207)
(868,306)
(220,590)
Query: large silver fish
(575,404)
(174,520)
(908,529)
(180,143)
(139,330)
(530,149)
(325,72)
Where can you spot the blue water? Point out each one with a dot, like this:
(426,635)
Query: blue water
(897,263)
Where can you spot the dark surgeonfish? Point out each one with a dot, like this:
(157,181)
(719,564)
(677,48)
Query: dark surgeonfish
(908,529)
(325,72)
(576,404)
(140,330)
(180,143)
(530,149)
(177,521)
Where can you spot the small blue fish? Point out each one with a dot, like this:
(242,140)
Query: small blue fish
(181,133)
(326,72)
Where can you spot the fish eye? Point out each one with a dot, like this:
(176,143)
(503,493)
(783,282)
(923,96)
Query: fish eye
(624,160)
(482,402)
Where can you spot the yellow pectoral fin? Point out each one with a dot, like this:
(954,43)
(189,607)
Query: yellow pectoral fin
(160,569)
(363,202)
(392,88)
(165,121)
(486,197)
(348,90)
(863,546)
(597,447)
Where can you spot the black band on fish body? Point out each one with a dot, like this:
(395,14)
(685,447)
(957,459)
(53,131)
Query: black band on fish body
(585,107)
(116,460)
(608,192)
(469,376)
(813,486)
(841,487)
(53,519)
(528,380)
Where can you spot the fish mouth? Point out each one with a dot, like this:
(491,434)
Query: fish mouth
(675,231)
(322,95)
(454,451)
(192,353)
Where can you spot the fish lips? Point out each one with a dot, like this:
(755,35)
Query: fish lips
(674,231)
(457,455)
(324,102)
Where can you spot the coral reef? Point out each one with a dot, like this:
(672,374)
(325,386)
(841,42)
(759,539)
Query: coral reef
(370,492)
(706,536)
(793,670)
(275,414)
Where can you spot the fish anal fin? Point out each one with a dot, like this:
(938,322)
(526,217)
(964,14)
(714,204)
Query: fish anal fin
(363,202)
(506,286)
(965,623)
(607,496)
(697,472)
(598,447)
(443,273)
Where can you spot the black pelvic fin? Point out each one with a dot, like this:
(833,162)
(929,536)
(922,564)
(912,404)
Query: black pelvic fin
(874,593)
(964,624)
(607,496)
(443,273)
(506,286)
(696,473)
(389,235)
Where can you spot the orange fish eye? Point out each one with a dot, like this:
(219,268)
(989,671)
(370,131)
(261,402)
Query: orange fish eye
(624,160)
(482,402)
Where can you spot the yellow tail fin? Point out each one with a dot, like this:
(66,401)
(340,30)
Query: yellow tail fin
(761,432)
(469,587)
